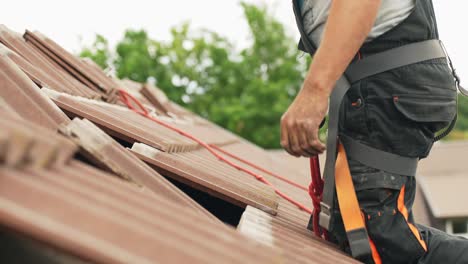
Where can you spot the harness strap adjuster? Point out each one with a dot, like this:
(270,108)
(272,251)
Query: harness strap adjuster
(359,244)
(325,215)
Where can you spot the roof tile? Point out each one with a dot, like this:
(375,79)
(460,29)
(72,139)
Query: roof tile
(96,216)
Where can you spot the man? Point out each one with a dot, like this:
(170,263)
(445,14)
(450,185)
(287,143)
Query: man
(398,111)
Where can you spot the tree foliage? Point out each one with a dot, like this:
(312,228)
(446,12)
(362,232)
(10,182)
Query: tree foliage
(99,52)
(461,129)
(245,91)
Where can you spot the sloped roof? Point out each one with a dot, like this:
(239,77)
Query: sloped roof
(46,194)
(443,179)
(131,213)
(44,71)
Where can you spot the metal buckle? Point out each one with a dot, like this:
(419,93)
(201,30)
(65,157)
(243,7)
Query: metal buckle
(455,75)
(325,216)
(457,81)
(454,71)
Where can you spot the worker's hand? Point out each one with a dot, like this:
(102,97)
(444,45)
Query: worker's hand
(347,27)
(300,124)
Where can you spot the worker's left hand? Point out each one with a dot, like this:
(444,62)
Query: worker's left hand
(300,124)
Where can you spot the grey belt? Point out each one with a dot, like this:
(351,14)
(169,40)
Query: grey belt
(374,64)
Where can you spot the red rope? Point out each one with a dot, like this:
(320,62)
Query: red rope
(124,96)
(316,193)
(260,168)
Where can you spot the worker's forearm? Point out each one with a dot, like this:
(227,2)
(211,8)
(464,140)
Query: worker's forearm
(348,25)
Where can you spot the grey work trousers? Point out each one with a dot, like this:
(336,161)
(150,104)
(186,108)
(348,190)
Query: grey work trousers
(398,113)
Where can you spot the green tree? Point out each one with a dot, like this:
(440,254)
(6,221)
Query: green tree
(245,91)
(461,129)
(99,52)
(462,123)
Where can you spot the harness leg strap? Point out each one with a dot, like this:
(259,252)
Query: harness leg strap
(376,158)
(350,211)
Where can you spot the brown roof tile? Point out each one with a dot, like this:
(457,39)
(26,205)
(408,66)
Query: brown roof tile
(90,214)
(79,217)
(131,127)
(33,144)
(286,232)
(106,152)
(67,83)
(22,94)
(156,97)
(84,72)
(202,171)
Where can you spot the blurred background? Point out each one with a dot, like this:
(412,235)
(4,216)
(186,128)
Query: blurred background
(233,62)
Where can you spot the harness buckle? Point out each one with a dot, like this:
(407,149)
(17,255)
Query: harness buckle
(457,81)
(325,216)
(455,75)
(359,244)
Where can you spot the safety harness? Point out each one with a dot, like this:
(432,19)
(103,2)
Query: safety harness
(337,177)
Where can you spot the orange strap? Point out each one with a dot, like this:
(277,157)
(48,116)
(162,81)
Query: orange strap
(347,199)
(375,253)
(404,211)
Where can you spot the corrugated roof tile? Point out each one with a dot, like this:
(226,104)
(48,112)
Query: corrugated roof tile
(95,216)
(19,91)
(104,228)
(85,73)
(16,43)
(106,152)
(202,171)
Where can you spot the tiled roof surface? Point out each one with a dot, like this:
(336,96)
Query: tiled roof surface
(96,218)
(83,72)
(49,73)
(22,94)
(117,207)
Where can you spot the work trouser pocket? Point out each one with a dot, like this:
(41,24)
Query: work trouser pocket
(408,122)
(424,115)
(400,111)
(433,112)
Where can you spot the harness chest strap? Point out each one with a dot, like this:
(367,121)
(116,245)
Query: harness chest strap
(337,176)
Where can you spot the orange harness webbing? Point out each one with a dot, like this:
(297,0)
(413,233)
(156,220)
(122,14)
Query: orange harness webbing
(353,219)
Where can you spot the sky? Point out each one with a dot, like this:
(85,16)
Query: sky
(75,23)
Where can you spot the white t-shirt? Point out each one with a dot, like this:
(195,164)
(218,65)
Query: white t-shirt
(391,13)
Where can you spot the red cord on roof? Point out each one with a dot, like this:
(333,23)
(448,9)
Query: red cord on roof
(124,96)
(260,168)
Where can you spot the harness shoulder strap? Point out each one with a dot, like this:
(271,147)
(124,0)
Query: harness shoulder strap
(395,58)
